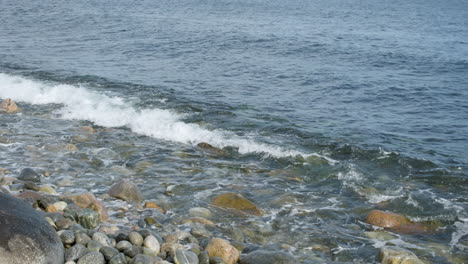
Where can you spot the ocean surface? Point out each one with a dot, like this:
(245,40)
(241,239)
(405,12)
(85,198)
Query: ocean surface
(325,110)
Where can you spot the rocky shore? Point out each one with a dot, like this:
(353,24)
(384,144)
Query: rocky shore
(121,226)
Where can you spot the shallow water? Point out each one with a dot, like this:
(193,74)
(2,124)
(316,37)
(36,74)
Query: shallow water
(326,110)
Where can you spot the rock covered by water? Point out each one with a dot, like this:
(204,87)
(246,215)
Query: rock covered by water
(236,202)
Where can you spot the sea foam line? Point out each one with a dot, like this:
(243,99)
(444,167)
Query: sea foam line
(80,103)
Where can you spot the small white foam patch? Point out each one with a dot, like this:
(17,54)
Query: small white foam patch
(82,104)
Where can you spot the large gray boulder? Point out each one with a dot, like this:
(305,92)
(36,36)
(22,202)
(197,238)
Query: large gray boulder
(25,236)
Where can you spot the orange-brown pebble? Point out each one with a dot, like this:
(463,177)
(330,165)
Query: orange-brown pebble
(387,220)
(152,205)
(51,209)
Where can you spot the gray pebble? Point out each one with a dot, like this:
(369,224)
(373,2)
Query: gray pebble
(67,237)
(185,257)
(123,245)
(94,245)
(108,252)
(204,258)
(75,252)
(142,259)
(198,230)
(102,238)
(120,237)
(118,259)
(81,238)
(132,251)
(92,258)
(135,238)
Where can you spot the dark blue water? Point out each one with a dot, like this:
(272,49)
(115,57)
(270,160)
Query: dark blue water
(379,86)
(389,74)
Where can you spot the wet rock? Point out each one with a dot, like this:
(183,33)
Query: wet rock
(267,257)
(152,244)
(88,218)
(118,259)
(75,252)
(70,147)
(185,257)
(221,248)
(126,191)
(92,257)
(31,186)
(399,223)
(396,255)
(67,237)
(142,259)
(200,212)
(142,166)
(211,149)
(135,238)
(235,233)
(108,252)
(28,174)
(8,106)
(88,200)
(88,129)
(198,230)
(199,220)
(380,235)
(236,202)
(47,189)
(25,236)
(385,219)
(153,206)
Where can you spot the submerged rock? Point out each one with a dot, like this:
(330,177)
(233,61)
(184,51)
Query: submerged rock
(267,257)
(221,248)
(212,150)
(236,202)
(151,205)
(9,106)
(200,212)
(398,223)
(396,255)
(126,191)
(25,236)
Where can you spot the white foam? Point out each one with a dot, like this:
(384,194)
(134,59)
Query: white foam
(111,111)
